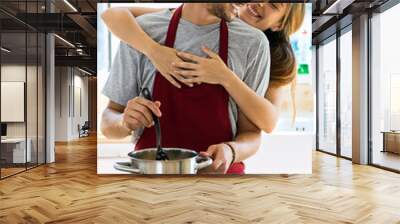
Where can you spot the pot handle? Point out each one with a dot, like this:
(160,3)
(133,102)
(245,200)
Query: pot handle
(126,166)
(203,162)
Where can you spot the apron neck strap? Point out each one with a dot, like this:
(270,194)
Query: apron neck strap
(173,27)
(223,41)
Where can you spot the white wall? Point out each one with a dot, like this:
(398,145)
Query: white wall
(80,108)
(16,73)
(61,103)
(12,73)
(33,126)
(70,83)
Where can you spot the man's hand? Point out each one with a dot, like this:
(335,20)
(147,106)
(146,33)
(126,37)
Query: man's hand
(222,158)
(138,113)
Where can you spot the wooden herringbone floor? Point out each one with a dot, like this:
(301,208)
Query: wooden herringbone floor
(69,191)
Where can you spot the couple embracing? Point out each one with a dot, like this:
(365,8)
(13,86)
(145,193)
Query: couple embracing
(215,70)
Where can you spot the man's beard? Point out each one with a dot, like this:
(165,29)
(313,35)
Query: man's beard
(219,11)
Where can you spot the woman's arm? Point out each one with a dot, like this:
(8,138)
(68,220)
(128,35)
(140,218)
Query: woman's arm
(138,11)
(262,111)
(122,23)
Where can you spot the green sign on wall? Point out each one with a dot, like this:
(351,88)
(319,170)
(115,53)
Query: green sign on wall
(303,69)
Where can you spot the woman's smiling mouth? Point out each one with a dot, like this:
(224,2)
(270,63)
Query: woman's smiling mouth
(252,11)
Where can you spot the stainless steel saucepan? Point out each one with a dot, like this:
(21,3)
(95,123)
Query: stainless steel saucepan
(163,160)
(180,161)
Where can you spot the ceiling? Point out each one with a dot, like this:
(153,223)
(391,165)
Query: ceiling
(331,15)
(74,22)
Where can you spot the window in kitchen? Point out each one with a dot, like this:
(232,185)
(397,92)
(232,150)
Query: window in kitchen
(385,90)
(327,96)
(346,93)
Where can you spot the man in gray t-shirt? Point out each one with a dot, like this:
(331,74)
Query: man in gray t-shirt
(248,54)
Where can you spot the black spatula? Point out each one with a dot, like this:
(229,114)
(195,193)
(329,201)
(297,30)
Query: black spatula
(160,155)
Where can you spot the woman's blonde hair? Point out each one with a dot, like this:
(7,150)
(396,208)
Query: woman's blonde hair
(293,18)
(283,61)
(283,69)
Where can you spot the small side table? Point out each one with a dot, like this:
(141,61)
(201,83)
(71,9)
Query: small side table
(391,141)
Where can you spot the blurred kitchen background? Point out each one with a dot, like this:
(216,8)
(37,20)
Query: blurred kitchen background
(287,150)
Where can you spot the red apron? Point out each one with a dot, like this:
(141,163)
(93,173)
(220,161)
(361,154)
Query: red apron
(192,117)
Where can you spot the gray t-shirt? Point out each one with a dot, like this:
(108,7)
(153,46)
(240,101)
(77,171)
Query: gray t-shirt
(248,57)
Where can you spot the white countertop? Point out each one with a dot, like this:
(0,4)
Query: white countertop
(105,165)
(280,153)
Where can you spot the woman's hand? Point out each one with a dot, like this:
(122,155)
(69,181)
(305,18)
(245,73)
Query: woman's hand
(222,158)
(197,69)
(162,58)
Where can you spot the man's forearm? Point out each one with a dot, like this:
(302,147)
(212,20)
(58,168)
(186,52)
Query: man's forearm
(112,126)
(247,140)
(246,144)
